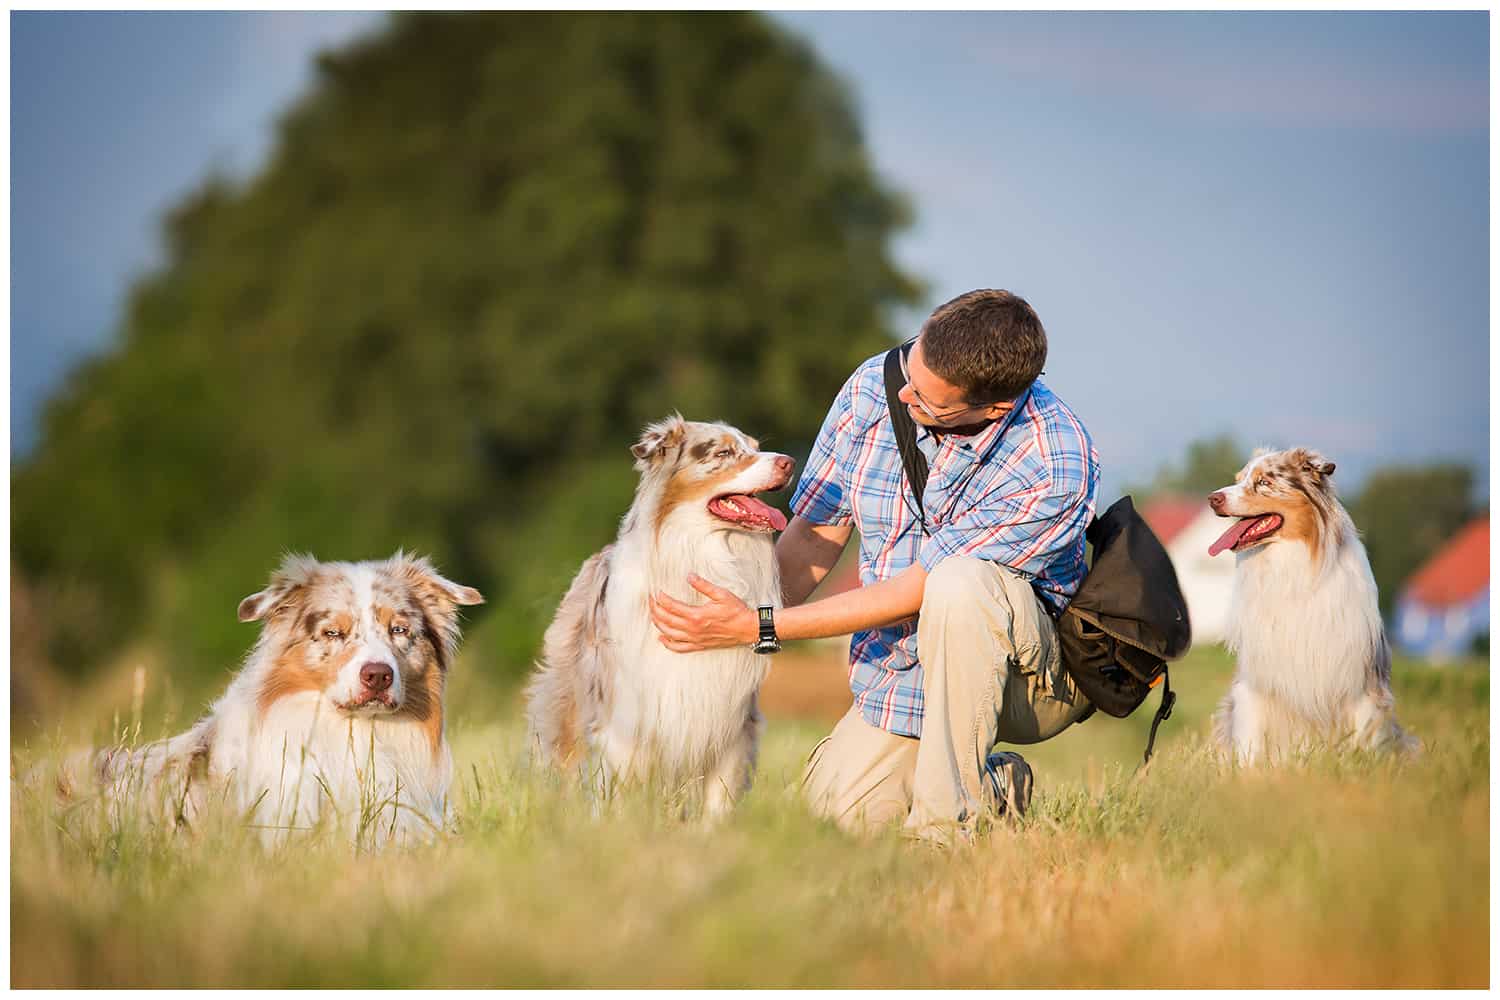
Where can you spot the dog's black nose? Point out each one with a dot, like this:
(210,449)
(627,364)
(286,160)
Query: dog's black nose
(1216,501)
(376,676)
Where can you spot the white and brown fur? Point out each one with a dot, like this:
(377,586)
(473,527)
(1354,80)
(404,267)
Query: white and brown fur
(607,694)
(1313,667)
(335,717)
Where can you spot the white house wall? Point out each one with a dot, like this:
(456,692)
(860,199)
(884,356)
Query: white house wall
(1206,581)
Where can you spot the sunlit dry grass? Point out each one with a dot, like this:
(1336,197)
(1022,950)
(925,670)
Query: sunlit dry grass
(1341,871)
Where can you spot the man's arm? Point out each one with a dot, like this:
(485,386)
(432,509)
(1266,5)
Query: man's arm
(727,621)
(805,553)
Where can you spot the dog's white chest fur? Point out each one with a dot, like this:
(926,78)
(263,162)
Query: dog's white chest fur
(1303,636)
(682,709)
(302,762)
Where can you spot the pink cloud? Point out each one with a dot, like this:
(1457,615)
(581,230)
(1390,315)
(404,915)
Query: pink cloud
(1279,91)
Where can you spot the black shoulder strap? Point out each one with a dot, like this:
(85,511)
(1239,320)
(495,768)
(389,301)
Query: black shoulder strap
(912,458)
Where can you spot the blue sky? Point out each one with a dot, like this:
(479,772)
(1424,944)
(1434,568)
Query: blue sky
(1274,225)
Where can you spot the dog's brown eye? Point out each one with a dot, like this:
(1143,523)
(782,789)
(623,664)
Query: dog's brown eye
(399,630)
(332,633)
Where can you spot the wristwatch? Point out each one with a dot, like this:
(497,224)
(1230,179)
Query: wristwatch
(767,643)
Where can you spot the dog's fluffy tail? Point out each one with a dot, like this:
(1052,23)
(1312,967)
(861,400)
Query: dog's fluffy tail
(1376,727)
(573,677)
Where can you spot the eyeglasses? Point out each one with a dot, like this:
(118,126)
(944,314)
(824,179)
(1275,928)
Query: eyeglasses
(922,403)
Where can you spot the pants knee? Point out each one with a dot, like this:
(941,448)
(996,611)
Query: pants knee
(959,580)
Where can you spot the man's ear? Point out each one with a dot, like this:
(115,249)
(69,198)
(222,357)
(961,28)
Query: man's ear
(997,411)
(657,438)
(294,574)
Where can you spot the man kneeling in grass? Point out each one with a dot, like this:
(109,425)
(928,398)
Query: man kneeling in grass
(954,643)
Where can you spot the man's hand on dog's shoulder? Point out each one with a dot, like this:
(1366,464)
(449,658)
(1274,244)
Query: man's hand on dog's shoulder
(687,628)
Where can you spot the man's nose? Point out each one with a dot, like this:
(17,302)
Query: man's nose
(376,676)
(1216,501)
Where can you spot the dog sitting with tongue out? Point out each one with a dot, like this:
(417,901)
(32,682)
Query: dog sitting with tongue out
(607,695)
(1312,663)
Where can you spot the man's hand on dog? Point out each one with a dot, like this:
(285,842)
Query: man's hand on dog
(687,628)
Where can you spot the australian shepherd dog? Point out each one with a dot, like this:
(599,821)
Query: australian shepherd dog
(336,717)
(1312,664)
(607,695)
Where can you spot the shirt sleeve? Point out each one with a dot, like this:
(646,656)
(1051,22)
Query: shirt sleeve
(821,497)
(1024,531)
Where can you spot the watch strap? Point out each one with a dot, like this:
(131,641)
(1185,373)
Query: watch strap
(767,641)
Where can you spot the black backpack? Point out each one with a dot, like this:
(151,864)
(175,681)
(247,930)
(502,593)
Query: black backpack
(1128,618)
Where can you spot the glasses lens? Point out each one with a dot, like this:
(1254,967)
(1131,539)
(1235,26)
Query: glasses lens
(906,374)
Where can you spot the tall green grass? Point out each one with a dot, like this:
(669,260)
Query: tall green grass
(1341,870)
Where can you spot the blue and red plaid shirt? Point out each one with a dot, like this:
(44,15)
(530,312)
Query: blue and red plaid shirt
(1019,493)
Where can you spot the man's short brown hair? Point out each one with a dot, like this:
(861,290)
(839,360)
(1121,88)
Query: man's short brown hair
(987,342)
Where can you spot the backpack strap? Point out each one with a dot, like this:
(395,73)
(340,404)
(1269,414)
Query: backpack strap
(912,459)
(1163,711)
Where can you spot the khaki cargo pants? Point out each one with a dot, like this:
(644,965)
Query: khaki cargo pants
(991,673)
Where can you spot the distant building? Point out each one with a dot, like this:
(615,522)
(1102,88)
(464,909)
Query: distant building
(1445,606)
(1187,528)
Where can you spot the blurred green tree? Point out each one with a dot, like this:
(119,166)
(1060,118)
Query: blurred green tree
(1405,514)
(484,251)
(1209,463)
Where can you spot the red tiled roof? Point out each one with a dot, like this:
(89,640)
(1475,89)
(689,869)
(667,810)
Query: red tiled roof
(1169,515)
(1458,571)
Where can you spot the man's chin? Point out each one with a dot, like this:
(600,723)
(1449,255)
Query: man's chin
(957,430)
(964,430)
(920,418)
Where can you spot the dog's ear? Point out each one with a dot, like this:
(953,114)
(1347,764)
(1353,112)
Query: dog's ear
(420,574)
(657,438)
(1317,465)
(439,598)
(293,576)
(1309,463)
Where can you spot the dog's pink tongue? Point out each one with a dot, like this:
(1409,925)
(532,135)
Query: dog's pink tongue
(1228,539)
(759,508)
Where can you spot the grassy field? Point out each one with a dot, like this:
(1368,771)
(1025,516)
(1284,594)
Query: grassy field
(1340,871)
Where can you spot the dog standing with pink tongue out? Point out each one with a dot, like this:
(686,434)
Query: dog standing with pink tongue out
(1312,663)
